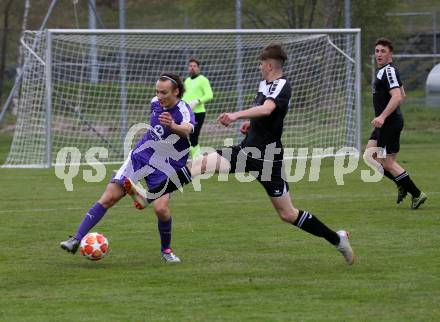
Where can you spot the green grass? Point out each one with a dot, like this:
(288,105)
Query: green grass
(240,262)
(5,142)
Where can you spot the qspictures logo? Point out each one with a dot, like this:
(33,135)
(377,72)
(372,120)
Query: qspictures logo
(161,152)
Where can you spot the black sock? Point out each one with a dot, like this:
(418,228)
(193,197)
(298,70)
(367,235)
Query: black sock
(388,174)
(309,223)
(165,233)
(182,176)
(405,181)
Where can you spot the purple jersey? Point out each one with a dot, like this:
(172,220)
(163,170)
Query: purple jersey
(160,149)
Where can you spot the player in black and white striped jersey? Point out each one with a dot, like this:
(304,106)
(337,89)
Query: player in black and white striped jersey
(388,94)
(263,126)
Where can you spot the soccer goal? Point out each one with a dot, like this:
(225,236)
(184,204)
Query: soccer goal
(87,88)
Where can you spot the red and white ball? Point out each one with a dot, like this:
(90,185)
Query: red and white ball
(94,246)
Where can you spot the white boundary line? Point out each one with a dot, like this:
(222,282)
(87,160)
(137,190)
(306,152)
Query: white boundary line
(210,201)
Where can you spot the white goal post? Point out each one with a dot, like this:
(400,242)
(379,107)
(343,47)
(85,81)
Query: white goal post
(86,88)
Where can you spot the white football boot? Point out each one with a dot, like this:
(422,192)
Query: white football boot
(344,247)
(71,245)
(169,257)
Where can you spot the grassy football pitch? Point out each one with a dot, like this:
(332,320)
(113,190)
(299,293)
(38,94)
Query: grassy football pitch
(239,261)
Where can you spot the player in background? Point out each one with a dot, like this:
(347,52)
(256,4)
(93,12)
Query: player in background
(162,149)
(261,151)
(197,92)
(388,94)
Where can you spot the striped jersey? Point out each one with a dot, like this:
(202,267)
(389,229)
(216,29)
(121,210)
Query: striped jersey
(268,129)
(387,78)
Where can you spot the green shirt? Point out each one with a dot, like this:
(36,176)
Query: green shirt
(198,88)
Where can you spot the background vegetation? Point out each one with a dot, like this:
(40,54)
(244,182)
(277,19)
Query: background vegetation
(369,15)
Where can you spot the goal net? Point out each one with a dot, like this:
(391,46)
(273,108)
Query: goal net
(86,89)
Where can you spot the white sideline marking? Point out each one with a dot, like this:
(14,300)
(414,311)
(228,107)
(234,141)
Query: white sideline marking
(53,209)
(211,200)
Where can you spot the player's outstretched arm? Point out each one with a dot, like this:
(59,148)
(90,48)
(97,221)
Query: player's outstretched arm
(258,111)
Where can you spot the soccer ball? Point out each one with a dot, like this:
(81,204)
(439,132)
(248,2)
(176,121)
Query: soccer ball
(94,246)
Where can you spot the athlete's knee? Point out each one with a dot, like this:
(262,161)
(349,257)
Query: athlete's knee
(284,215)
(288,215)
(162,211)
(108,199)
(370,155)
(388,164)
(112,194)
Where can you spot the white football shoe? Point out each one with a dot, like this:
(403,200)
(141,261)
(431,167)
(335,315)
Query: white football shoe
(137,193)
(169,257)
(71,245)
(344,247)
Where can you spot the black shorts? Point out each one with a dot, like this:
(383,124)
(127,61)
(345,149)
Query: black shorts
(268,173)
(388,137)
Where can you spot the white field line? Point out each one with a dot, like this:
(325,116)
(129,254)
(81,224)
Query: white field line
(210,201)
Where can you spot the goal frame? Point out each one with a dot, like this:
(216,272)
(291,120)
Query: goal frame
(48,66)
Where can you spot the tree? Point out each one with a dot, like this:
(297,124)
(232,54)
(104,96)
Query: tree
(333,14)
(292,14)
(4,44)
(374,23)
(20,58)
(27,6)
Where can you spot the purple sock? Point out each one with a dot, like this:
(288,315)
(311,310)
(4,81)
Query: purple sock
(92,217)
(165,233)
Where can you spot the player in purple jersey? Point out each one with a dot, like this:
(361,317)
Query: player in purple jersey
(156,157)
